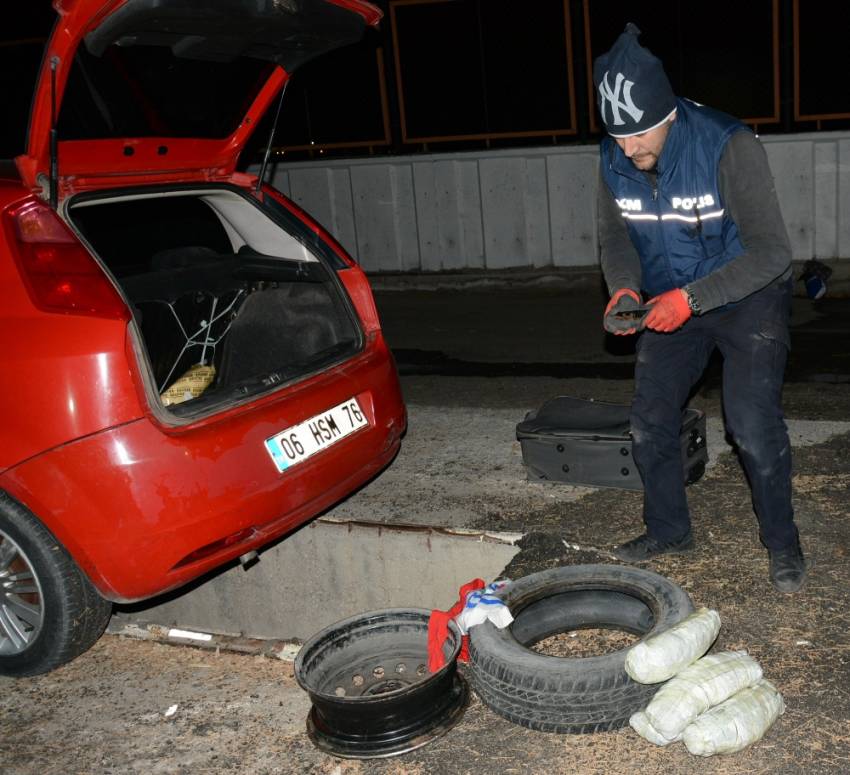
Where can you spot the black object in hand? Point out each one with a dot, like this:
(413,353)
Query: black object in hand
(631,314)
(625,316)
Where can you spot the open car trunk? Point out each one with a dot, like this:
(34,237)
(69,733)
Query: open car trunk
(232,298)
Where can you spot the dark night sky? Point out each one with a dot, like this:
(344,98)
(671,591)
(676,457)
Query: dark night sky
(476,67)
(31,23)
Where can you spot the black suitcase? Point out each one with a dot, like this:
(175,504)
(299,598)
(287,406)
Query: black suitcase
(574,441)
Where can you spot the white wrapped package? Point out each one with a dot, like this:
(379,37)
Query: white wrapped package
(641,724)
(700,686)
(736,723)
(663,655)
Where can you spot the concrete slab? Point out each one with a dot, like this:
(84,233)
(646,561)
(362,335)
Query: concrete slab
(328,571)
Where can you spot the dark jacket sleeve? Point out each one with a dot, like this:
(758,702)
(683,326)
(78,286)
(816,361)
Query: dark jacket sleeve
(618,256)
(748,192)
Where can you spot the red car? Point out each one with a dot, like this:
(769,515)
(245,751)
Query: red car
(192,366)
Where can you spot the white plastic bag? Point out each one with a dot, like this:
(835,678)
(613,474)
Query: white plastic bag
(700,686)
(642,725)
(663,655)
(736,723)
(485,605)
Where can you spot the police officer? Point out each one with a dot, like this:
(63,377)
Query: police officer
(690,227)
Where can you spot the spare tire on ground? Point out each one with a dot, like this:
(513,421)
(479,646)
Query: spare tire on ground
(563,694)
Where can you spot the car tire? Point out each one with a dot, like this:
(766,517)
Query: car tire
(49,610)
(562,694)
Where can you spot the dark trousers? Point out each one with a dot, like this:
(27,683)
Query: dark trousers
(752,337)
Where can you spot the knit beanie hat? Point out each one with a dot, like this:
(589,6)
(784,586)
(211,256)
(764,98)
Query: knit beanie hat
(632,89)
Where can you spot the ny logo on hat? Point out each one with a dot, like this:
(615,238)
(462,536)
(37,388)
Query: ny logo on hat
(612,97)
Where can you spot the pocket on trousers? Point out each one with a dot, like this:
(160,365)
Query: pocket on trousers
(775,332)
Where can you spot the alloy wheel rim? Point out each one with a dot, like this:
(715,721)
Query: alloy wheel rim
(21,599)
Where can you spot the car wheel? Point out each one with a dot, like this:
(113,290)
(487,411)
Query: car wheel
(562,694)
(49,611)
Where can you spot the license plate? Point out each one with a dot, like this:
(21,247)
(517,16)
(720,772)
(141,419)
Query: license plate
(304,440)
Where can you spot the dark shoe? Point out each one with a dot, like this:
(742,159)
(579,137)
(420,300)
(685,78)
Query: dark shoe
(787,568)
(645,548)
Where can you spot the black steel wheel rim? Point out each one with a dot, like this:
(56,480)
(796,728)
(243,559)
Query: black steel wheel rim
(372,695)
(392,742)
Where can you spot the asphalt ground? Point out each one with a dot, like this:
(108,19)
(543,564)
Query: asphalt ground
(472,362)
(544,328)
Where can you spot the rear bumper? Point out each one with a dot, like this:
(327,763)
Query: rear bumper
(132,503)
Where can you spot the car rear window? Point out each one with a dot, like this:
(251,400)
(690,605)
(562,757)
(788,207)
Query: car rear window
(127,235)
(146,91)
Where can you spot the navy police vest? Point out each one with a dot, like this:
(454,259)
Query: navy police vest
(679,226)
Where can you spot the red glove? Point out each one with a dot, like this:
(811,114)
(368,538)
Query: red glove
(668,312)
(609,321)
(438,628)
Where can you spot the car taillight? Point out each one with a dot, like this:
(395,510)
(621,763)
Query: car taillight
(59,273)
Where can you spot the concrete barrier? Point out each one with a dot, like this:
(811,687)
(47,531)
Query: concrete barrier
(532,207)
(325,572)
